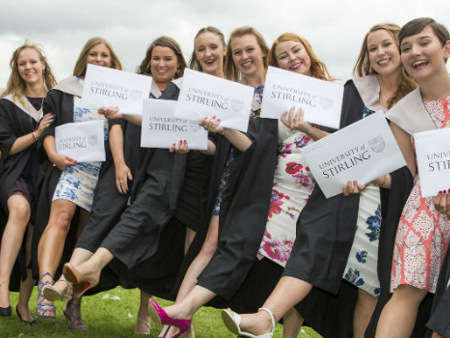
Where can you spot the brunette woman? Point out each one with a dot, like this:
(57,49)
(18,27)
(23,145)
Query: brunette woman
(424,225)
(224,259)
(21,126)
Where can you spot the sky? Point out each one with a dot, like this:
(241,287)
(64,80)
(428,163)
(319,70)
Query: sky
(335,28)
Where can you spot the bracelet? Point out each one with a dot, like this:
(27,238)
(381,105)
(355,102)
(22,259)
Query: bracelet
(223,131)
(35,136)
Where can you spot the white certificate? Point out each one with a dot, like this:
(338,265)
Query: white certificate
(362,151)
(161,129)
(82,141)
(205,95)
(433,160)
(105,87)
(321,100)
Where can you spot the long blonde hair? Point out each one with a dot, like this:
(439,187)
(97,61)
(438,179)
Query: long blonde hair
(16,85)
(80,65)
(363,68)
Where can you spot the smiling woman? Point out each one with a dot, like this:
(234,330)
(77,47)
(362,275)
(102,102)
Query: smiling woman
(21,125)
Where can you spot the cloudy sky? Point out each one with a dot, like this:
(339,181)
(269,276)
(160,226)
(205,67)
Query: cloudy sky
(334,28)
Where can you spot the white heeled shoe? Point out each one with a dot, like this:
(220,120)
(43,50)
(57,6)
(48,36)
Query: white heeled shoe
(232,321)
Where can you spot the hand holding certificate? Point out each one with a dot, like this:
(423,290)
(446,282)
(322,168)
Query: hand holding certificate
(205,95)
(106,87)
(82,141)
(433,160)
(161,128)
(364,151)
(321,100)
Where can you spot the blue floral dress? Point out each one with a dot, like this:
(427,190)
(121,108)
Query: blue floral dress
(361,269)
(77,183)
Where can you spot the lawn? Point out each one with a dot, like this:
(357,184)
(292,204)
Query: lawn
(113,314)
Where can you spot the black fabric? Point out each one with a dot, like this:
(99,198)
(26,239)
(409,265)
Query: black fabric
(154,199)
(326,227)
(14,123)
(243,212)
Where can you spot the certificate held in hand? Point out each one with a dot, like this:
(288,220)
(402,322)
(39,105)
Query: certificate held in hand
(433,160)
(161,128)
(82,141)
(204,95)
(362,151)
(321,100)
(106,87)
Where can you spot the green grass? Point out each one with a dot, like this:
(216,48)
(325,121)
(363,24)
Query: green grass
(113,314)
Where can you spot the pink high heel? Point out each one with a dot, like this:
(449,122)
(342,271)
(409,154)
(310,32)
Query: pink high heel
(72,275)
(158,315)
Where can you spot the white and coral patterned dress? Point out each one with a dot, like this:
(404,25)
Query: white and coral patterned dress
(423,233)
(292,185)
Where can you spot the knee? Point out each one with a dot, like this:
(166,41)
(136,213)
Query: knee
(20,213)
(60,220)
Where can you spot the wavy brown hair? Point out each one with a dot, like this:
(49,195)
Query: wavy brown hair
(230,68)
(362,67)
(318,68)
(80,65)
(163,41)
(16,85)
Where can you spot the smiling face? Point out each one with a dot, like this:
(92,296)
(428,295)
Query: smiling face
(384,57)
(163,66)
(423,54)
(99,55)
(247,55)
(210,52)
(292,55)
(30,66)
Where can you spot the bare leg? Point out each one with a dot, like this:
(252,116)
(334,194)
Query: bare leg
(399,314)
(143,319)
(50,249)
(196,267)
(27,285)
(19,216)
(190,235)
(292,322)
(51,245)
(288,292)
(364,308)
(186,308)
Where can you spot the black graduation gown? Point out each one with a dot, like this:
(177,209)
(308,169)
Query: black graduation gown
(58,101)
(14,123)
(243,212)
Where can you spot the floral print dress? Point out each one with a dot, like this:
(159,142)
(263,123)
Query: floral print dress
(292,185)
(423,233)
(77,183)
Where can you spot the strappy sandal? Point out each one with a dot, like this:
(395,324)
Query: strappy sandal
(43,305)
(145,324)
(73,314)
(53,292)
(232,321)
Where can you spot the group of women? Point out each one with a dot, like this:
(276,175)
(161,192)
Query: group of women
(241,225)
